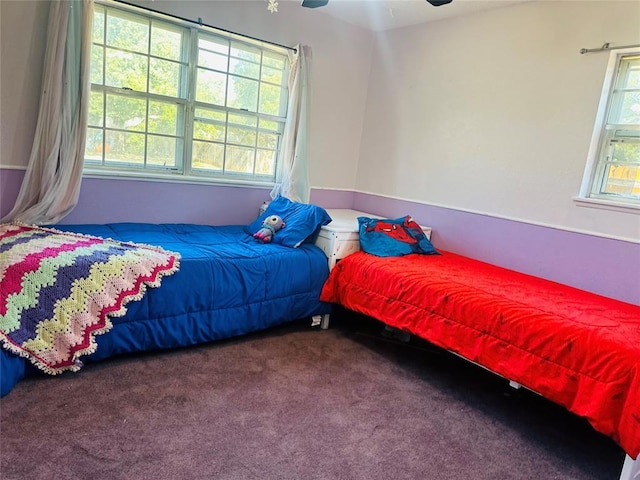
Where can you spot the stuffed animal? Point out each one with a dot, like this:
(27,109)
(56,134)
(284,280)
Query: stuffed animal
(270,226)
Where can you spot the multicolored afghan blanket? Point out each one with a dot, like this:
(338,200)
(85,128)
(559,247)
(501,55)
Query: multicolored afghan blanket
(58,290)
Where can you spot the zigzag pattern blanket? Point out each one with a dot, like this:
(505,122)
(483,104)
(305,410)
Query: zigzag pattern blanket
(58,290)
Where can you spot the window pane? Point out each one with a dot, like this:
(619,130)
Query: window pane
(165,42)
(273,60)
(96,109)
(630,109)
(209,156)
(126,112)
(241,136)
(246,52)
(625,107)
(622,180)
(93,145)
(126,70)
(267,140)
(96,64)
(270,99)
(98,25)
(163,118)
(239,119)
(128,32)
(208,131)
(161,151)
(124,148)
(164,77)
(239,159)
(213,61)
(266,162)
(246,69)
(626,152)
(243,94)
(214,44)
(211,114)
(211,87)
(272,75)
(269,125)
(632,77)
(633,81)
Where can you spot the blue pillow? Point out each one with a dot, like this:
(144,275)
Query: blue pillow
(386,237)
(302,221)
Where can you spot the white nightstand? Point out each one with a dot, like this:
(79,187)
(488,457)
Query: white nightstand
(340,238)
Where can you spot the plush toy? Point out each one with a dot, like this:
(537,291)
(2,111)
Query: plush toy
(270,226)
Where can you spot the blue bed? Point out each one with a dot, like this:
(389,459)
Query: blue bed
(228,284)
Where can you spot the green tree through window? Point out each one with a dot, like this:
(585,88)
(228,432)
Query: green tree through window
(613,166)
(148,115)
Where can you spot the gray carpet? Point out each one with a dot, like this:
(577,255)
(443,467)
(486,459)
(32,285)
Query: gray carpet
(294,403)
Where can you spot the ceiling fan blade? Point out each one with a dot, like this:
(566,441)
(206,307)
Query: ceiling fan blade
(322,3)
(315,3)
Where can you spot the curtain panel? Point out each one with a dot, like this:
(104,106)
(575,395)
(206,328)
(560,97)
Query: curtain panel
(292,176)
(51,185)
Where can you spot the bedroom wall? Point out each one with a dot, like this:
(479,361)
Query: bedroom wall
(494,112)
(480,125)
(340,69)
(462,122)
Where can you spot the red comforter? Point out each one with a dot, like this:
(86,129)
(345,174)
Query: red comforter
(575,348)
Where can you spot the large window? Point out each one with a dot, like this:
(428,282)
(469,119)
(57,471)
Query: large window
(613,168)
(179,100)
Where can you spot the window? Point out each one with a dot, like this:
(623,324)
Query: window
(613,168)
(177,100)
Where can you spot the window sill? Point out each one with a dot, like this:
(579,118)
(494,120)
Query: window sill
(607,205)
(150,177)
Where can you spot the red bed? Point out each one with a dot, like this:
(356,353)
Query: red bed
(575,348)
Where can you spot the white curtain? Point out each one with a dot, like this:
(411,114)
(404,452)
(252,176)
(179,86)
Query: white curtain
(292,176)
(51,184)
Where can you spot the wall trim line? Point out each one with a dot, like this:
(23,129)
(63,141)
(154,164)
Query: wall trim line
(501,217)
(13,167)
(428,204)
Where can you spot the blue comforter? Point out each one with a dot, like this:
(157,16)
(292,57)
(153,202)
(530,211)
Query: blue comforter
(228,284)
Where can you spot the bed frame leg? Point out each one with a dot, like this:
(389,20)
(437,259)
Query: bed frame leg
(630,469)
(324,324)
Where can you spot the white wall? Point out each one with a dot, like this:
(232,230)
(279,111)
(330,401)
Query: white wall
(23,31)
(340,70)
(493,112)
(469,113)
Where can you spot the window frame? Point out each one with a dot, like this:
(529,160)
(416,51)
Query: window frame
(595,171)
(187,105)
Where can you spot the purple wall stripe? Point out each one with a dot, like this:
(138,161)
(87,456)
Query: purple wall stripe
(601,265)
(597,264)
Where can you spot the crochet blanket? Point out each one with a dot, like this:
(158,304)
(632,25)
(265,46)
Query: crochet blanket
(58,290)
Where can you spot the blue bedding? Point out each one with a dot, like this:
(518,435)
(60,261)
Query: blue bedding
(229,284)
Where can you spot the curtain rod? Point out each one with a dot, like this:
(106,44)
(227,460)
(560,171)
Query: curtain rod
(605,47)
(199,22)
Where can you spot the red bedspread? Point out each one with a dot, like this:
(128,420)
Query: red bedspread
(575,348)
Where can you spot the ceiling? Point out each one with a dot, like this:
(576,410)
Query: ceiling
(378,15)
